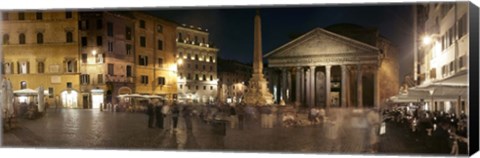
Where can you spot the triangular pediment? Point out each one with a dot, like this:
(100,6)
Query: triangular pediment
(320,42)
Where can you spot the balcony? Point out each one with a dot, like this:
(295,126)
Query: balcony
(190,42)
(119,78)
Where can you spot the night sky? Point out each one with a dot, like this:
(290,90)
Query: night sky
(231,29)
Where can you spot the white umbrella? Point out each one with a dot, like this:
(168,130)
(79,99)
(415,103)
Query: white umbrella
(153,97)
(25,92)
(130,96)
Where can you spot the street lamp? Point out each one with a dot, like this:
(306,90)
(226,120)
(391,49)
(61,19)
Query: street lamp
(179,62)
(426,40)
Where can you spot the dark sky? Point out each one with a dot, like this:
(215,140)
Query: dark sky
(231,29)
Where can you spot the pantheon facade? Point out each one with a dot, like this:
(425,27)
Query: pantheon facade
(324,69)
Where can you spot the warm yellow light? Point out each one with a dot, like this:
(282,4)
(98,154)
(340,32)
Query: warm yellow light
(94,52)
(179,61)
(427,40)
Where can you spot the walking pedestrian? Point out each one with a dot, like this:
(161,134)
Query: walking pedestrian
(374,121)
(187,113)
(233,117)
(150,113)
(159,115)
(333,130)
(175,114)
(241,116)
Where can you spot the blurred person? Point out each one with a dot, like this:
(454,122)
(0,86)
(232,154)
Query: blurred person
(374,122)
(175,115)
(158,113)
(150,113)
(233,117)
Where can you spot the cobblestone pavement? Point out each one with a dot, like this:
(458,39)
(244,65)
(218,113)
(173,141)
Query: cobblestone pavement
(79,128)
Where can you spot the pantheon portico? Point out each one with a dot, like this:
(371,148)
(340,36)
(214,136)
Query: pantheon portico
(325,69)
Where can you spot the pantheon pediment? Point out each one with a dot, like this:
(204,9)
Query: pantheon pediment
(320,42)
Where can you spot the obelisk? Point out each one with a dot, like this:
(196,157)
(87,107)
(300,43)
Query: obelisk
(257,92)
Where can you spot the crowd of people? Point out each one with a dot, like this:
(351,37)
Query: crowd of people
(442,133)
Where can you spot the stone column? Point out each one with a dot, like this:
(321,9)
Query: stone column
(312,86)
(458,106)
(283,84)
(376,89)
(359,86)
(289,86)
(344,86)
(298,85)
(327,86)
(307,87)
(302,86)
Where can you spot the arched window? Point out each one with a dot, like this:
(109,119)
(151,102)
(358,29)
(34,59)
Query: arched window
(69,37)
(6,39)
(39,38)
(21,38)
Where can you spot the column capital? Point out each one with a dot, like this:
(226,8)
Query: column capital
(328,67)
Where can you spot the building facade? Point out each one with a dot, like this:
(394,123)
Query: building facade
(42,49)
(442,56)
(155,46)
(107,58)
(84,59)
(197,65)
(335,68)
(233,79)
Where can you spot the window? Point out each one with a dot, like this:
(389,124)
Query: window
(161,80)
(196,87)
(144,79)
(99,24)
(110,46)
(143,42)
(21,38)
(7,68)
(23,85)
(41,67)
(21,16)
(4,16)
(181,86)
(39,38)
(69,84)
(196,39)
(143,60)
(68,14)
(211,87)
(461,62)
(142,24)
(160,45)
(196,56)
(110,69)
(433,74)
(84,41)
(129,70)
(203,40)
(204,87)
(99,41)
(203,66)
(451,66)
(23,67)
(159,28)
(128,33)
(196,77)
(180,36)
(39,16)
(100,58)
(100,78)
(50,92)
(188,87)
(196,67)
(160,62)
(84,25)
(211,78)
(70,37)
(128,48)
(181,75)
(84,79)
(204,78)
(110,29)
(71,66)
(6,39)
(188,56)
(84,58)
(462,26)
(211,68)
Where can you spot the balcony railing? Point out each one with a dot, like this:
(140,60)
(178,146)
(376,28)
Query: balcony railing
(119,78)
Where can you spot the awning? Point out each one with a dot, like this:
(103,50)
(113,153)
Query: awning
(25,92)
(439,92)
